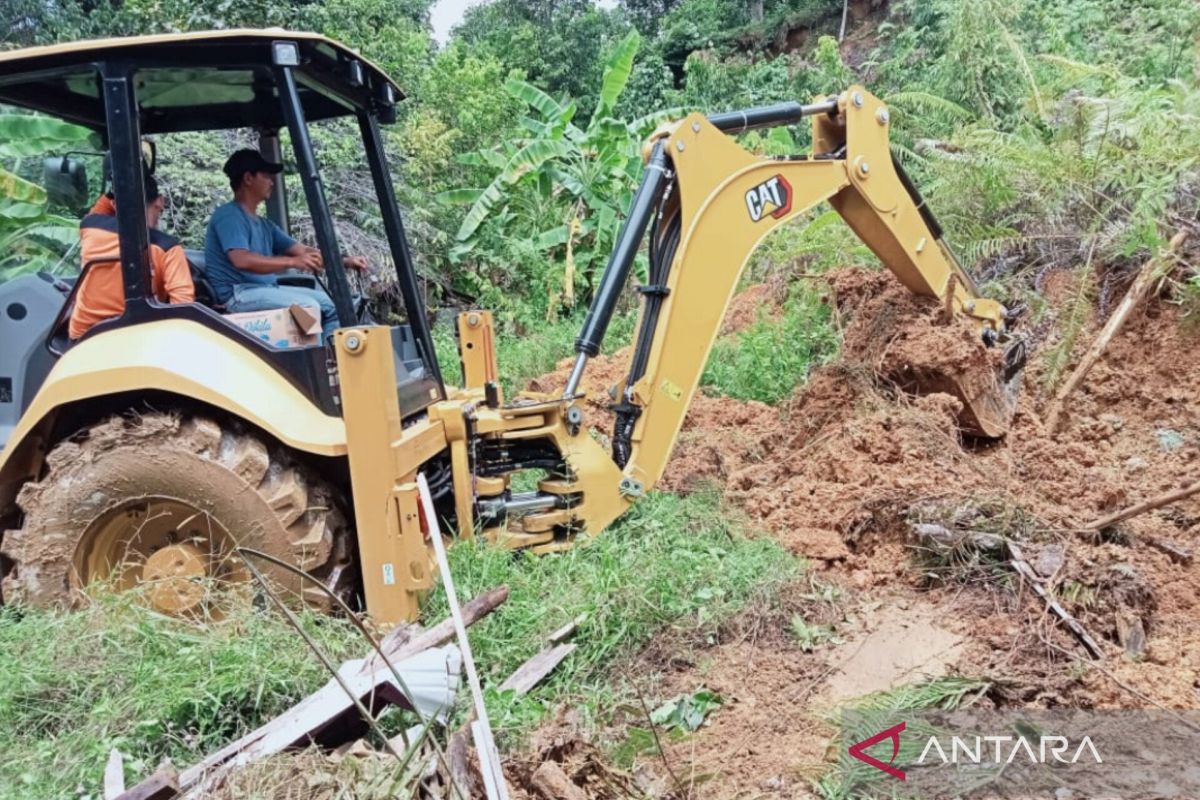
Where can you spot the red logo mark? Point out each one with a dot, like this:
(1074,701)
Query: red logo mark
(858,750)
(773,196)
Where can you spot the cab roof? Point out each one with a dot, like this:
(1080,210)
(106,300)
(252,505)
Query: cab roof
(195,81)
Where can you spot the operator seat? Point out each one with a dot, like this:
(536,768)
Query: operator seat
(204,291)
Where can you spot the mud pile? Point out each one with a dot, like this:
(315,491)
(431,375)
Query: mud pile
(838,473)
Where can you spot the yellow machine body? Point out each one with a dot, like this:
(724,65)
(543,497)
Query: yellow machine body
(728,200)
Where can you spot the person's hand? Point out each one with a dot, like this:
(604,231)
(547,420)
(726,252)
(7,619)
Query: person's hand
(355,262)
(309,261)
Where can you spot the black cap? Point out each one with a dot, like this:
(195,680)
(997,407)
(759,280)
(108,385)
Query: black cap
(248,160)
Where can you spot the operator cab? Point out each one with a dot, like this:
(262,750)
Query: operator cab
(269,81)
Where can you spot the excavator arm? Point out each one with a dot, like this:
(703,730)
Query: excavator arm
(706,203)
(709,204)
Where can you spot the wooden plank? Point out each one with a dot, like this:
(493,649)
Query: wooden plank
(114,775)
(534,671)
(567,631)
(162,785)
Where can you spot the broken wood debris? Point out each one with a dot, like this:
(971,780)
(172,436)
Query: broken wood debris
(939,536)
(329,718)
(553,784)
(472,611)
(535,670)
(566,631)
(162,785)
(1177,554)
(1022,568)
(1161,500)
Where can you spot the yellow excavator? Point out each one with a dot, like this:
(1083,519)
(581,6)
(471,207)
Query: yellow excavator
(144,452)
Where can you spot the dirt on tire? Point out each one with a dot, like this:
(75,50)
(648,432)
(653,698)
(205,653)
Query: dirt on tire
(263,499)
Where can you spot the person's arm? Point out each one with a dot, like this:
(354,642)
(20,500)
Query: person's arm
(232,232)
(265,265)
(349,262)
(177,276)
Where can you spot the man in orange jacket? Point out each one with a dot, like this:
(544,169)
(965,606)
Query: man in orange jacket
(102,295)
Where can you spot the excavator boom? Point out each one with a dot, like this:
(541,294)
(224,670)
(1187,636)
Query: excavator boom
(711,203)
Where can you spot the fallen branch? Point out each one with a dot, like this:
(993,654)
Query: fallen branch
(1146,277)
(473,611)
(1144,506)
(1022,568)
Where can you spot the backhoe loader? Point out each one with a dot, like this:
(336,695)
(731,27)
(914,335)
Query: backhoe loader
(144,452)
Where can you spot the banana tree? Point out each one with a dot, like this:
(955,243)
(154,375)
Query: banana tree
(585,176)
(32,237)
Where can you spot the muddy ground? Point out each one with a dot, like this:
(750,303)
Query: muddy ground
(843,471)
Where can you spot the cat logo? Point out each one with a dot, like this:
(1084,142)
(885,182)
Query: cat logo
(775,194)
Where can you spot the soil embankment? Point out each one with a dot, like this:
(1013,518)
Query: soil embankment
(842,471)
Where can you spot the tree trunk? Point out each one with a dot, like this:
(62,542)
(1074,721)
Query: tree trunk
(756,10)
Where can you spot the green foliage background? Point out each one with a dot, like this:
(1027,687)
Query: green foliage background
(1035,128)
(1046,136)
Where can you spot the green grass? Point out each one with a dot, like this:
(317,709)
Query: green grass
(767,360)
(114,674)
(678,562)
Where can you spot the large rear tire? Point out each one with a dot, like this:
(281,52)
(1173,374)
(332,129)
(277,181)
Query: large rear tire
(160,501)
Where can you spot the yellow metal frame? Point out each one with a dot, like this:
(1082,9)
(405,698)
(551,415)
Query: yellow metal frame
(714,177)
(728,203)
(176,356)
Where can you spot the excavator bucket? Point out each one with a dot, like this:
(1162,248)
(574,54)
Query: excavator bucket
(988,400)
(986,385)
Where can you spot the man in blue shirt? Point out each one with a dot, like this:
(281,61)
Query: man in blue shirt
(244,252)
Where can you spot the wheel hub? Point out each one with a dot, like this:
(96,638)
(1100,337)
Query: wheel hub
(175,578)
(178,555)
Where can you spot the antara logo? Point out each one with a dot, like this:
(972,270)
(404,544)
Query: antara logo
(859,750)
(774,193)
(1004,750)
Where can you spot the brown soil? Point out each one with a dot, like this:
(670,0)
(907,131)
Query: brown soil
(760,301)
(839,472)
